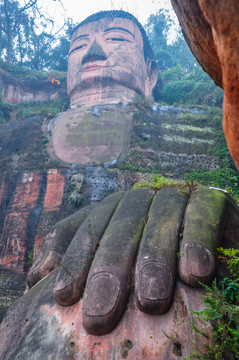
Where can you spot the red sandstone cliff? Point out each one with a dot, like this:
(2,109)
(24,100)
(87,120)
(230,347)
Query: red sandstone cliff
(16,89)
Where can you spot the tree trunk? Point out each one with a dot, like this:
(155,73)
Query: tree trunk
(9,46)
(9,31)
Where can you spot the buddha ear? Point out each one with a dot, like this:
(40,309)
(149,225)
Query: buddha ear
(152,77)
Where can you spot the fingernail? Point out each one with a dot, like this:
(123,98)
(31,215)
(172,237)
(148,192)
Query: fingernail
(154,287)
(68,291)
(100,304)
(196,264)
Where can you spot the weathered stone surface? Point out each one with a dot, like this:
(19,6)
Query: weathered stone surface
(99,51)
(16,90)
(111,234)
(35,321)
(168,139)
(12,286)
(108,283)
(38,305)
(154,145)
(201,236)
(22,211)
(211,29)
(30,202)
(91,135)
(55,245)
(224,21)
(15,228)
(77,260)
(36,328)
(156,263)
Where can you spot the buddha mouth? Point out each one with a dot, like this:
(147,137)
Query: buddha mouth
(92,67)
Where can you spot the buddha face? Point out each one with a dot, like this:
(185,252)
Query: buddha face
(107,65)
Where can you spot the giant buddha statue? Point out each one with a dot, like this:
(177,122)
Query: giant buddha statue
(110,62)
(113,278)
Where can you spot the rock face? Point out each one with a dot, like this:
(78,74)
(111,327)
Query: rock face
(83,136)
(30,202)
(36,328)
(15,91)
(211,30)
(34,194)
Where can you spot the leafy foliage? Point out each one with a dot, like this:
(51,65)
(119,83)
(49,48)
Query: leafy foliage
(194,87)
(48,108)
(183,79)
(28,36)
(222,311)
(223,178)
(5,111)
(168,55)
(160,182)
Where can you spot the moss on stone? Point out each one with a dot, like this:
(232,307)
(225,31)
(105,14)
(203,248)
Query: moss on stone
(204,217)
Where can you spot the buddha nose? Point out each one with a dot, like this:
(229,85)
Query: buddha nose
(94,53)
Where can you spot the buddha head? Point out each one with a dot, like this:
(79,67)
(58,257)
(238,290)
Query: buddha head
(110,60)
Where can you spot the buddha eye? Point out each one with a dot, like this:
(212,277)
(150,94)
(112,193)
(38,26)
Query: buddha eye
(77,48)
(117,39)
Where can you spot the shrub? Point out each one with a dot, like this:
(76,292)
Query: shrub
(223,178)
(222,311)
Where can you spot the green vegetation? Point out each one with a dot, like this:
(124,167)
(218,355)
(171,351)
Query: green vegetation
(75,190)
(28,35)
(182,79)
(22,72)
(5,112)
(190,88)
(31,256)
(48,108)
(227,179)
(158,182)
(222,311)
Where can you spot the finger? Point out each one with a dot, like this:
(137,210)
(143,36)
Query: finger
(76,262)
(201,236)
(230,236)
(55,245)
(108,283)
(156,262)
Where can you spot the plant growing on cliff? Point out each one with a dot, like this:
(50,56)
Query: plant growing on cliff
(5,111)
(226,178)
(31,256)
(47,108)
(222,311)
(160,182)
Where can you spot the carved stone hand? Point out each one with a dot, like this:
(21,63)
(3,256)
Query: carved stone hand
(98,247)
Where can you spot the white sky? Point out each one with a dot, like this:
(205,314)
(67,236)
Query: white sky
(79,10)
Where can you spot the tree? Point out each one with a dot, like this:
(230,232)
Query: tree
(19,25)
(181,54)
(168,54)
(157,28)
(58,56)
(12,16)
